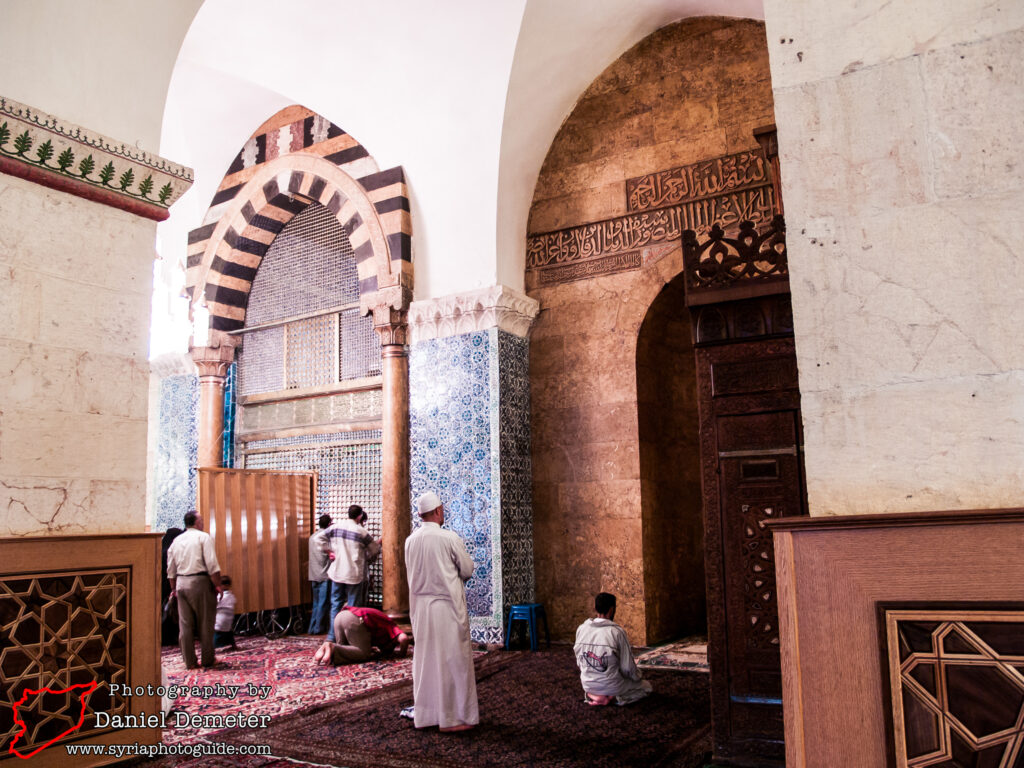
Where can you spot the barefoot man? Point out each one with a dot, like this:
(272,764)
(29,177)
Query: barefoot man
(357,632)
(444,685)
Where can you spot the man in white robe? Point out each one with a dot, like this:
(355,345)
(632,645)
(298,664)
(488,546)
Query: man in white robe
(443,681)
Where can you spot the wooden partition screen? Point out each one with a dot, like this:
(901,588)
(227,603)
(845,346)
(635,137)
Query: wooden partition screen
(79,645)
(260,522)
(902,639)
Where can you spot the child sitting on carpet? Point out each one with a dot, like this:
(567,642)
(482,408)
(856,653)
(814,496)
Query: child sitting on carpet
(224,625)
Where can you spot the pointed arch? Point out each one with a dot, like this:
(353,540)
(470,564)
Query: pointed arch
(294,159)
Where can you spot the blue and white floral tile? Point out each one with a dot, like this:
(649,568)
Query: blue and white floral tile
(174,473)
(469,442)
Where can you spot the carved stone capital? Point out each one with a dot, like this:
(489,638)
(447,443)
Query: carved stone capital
(50,151)
(392,325)
(496,307)
(212,362)
(397,297)
(172,364)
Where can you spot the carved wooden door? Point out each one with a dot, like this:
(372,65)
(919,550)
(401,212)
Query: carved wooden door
(759,479)
(750,450)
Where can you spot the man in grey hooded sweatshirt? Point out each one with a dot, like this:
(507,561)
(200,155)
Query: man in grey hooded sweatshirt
(607,668)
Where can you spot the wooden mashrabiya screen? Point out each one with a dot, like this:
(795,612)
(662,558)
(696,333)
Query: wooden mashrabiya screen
(79,646)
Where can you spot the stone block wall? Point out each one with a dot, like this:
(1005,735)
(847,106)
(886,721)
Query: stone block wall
(691,91)
(900,148)
(604,501)
(76,285)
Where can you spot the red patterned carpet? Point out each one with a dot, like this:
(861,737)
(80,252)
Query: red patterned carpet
(532,715)
(284,670)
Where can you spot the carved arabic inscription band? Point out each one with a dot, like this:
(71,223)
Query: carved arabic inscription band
(619,262)
(693,182)
(636,230)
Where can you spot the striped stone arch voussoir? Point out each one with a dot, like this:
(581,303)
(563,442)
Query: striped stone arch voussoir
(374,211)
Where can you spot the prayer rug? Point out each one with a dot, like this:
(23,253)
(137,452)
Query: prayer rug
(281,671)
(689,655)
(532,714)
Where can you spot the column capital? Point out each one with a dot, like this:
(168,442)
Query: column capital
(495,307)
(392,325)
(213,362)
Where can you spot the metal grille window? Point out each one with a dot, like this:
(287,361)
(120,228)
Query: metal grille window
(309,351)
(348,473)
(303,327)
(303,330)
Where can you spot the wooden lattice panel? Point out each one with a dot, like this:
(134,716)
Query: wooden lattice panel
(56,632)
(78,613)
(957,687)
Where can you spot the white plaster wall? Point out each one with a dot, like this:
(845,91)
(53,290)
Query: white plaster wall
(75,285)
(101,64)
(900,128)
(421,85)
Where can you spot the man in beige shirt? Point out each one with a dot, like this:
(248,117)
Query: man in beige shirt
(194,574)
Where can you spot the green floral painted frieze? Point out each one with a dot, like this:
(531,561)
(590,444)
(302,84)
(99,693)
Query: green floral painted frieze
(44,141)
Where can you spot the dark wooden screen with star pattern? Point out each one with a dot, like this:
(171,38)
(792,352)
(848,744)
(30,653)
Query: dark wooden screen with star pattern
(68,632)
(957,685)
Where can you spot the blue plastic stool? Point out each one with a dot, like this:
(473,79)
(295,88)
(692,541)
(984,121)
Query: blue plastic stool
(532,613)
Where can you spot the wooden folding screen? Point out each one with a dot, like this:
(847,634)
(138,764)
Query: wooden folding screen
(260,522)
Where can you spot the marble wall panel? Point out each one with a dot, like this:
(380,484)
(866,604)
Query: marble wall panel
(902,223)
(75,283)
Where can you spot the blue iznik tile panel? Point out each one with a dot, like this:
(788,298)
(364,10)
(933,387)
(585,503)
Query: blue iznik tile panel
(516,475)
(228,435)
(174,472)
(461,390)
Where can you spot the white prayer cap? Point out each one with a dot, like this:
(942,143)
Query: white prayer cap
(427,503)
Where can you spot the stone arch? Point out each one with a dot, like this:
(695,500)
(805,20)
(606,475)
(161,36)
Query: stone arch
(265,187)
(294,159)
(266,203)
(672,509)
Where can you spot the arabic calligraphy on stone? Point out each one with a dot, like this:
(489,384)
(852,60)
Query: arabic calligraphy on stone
(692,182)
(637,230)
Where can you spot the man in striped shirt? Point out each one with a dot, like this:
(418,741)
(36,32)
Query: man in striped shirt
(351,544)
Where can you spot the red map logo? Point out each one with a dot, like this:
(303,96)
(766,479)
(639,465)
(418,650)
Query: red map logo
(88,688)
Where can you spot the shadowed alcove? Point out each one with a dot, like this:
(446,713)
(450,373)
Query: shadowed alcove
(671,501)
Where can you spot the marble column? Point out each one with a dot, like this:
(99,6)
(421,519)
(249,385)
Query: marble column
(212,365)
(396,523)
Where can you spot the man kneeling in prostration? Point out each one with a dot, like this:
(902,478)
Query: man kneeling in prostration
(358,631)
